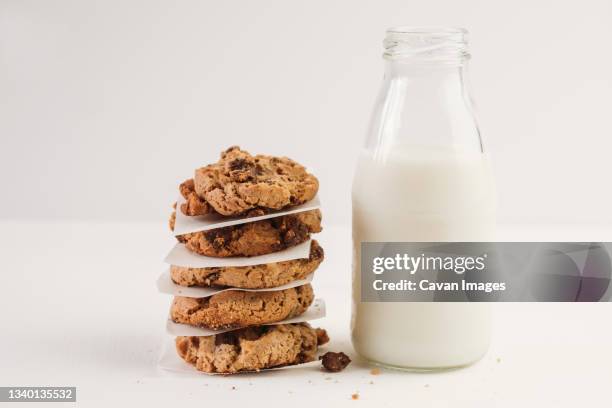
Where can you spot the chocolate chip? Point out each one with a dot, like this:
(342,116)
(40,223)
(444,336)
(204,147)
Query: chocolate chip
(226,338)
(212,278)
(335,362)
(293,231)
(316,252)
(238,164)
(219,237)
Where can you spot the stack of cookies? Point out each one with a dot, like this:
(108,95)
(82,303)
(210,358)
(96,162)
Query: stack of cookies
(252,312)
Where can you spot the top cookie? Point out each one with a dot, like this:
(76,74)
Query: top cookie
(239,182)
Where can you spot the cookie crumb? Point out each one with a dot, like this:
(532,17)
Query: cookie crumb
(371,382)
(335,362)
(375,371)
(328,378)
(426,385)
(498,359)
(355,396)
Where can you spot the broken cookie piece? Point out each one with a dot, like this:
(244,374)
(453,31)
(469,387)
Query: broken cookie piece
(193,204)
(335,362)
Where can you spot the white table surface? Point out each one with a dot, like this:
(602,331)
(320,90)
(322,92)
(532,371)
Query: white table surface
(79,307)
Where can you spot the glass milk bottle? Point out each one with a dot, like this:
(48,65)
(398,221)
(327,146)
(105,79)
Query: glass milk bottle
(423,176)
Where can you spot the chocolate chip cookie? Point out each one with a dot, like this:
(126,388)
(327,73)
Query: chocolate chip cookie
(250,277)
(252,348)
(239,182)
(237,308)
(253,238)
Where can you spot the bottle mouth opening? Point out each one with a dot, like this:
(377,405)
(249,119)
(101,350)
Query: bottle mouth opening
(427,30)
(427,44)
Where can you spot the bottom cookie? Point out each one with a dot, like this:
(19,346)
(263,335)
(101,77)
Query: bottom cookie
(252,348)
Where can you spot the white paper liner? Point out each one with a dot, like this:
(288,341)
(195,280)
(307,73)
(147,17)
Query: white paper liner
(314,312)
(179,255)
(170,361)
(167,286)
(185,224)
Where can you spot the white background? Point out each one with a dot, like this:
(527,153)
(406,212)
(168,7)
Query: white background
(78,307)
(106,105)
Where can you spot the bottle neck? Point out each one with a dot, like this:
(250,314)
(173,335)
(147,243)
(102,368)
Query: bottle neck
(424,100)
(439,84)
(428,62)
(416,71)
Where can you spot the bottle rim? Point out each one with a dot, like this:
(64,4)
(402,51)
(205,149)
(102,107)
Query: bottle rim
(446,45)
(433,30)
